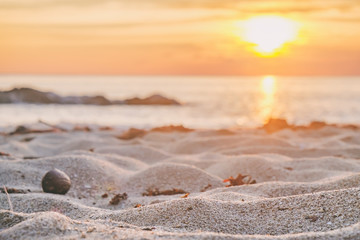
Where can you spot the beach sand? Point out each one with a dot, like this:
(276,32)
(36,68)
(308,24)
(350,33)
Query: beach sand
(307,184)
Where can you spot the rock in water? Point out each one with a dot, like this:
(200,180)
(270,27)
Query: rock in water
(56,181)
(152,100)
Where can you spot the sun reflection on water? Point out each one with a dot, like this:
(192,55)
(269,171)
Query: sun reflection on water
(267,98)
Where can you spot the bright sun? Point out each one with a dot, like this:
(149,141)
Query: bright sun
(268,34)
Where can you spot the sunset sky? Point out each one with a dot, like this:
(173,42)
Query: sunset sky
(178,37)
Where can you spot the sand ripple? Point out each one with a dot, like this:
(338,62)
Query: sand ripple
(307,185)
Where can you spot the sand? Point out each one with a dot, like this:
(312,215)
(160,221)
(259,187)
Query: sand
(307,184)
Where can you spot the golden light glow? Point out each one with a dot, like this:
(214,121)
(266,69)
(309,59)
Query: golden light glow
(267,100)
(268,85)
(268,34)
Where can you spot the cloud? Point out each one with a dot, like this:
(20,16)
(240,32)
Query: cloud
(239,7)
(19,4)
(254,5)
(118,25)
(126,13)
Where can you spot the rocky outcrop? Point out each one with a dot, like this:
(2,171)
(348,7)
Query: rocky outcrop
(152,100)
(29,95)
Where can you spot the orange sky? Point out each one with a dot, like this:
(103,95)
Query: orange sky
(172,37)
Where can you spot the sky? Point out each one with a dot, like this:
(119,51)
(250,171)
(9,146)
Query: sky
(176,37)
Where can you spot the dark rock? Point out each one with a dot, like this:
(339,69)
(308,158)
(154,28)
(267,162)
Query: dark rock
(97,100)
(29,95)
(56,181)
(152,100)
(172,128)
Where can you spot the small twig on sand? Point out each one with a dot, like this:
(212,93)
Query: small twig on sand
(8,198)
(53,126)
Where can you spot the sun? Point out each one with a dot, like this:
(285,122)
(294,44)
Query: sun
(268,34)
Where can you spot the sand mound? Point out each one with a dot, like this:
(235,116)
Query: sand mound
(146,154)
(48,225)
(322,211)
(169,176)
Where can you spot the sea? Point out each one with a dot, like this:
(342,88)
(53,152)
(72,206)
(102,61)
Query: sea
(208,102)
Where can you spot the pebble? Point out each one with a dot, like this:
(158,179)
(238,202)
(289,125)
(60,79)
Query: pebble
(56,181)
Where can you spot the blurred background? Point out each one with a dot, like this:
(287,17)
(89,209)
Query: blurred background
(230,63)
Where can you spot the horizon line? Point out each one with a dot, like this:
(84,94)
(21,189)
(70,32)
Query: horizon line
(176,75)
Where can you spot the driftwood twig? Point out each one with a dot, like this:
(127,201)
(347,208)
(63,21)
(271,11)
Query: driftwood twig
(53,126)
(8,198)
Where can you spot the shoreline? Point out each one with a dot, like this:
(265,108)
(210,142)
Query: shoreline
(273,125)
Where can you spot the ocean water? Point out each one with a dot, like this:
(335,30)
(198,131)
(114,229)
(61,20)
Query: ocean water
(208,101)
